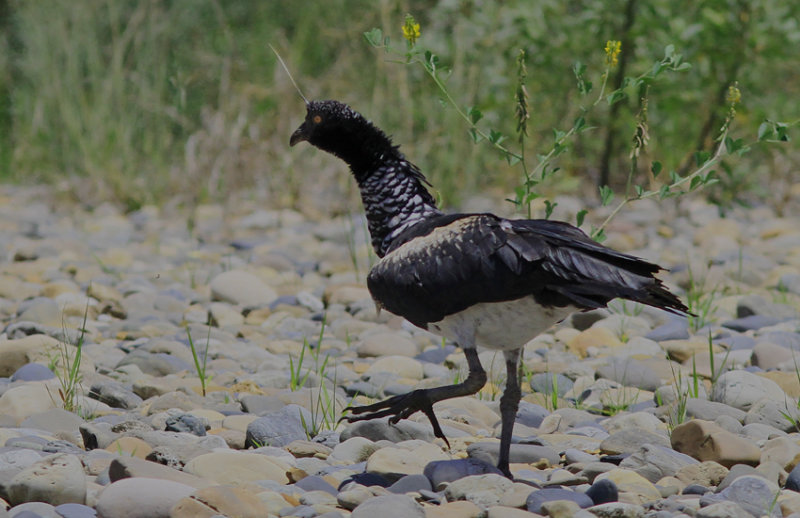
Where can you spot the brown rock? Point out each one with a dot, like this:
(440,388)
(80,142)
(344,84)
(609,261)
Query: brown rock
(783,450)
(308,449)
(633,488)
(235,439)
(234,502)
(683,350)
(462,509)
(705,440)
(787,381)
(769,356)
(130,467)
(130,446)
(593,337)
(707,473)
(16,353)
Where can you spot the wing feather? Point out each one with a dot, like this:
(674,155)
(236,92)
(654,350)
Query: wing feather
(477,258)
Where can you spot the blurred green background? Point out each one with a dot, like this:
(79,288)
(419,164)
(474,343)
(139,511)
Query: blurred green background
(143,101)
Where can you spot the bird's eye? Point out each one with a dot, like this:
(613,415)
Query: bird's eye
(317,119)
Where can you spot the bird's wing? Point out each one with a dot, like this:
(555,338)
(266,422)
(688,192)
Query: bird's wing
(450,264)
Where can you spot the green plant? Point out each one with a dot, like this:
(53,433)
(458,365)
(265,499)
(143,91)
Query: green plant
(67,369)
(678,182)
(700,300)
(200,365)
(620,400)
(297,379)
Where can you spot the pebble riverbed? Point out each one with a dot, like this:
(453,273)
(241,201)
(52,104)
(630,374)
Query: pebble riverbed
(653,415)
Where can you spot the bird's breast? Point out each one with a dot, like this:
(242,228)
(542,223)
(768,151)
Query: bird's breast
(500,325)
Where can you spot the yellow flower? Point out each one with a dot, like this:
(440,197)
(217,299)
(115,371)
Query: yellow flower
(734,94)
(411,29)
(613,48)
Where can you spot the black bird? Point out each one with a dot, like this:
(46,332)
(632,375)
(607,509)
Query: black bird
(477,279)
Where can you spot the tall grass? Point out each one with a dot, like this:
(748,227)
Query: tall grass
(141,101)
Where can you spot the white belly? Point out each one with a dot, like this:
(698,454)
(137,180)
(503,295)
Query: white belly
(499,325)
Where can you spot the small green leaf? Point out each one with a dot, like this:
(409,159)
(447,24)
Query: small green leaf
(495,137)
(765,131)
(606,194)
(474,114)
(696,182)
(664,192)
(598,234)
(580,216)
(669,51)
(476,137)
(639,190)
(683,66)
(374,37)
(615,97)
(580,123)
(548,208)
(701,157)
(655,168)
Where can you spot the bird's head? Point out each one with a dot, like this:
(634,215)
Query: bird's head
(334,127)
(327,122)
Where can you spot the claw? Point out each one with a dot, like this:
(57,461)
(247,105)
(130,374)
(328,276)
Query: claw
(399,407)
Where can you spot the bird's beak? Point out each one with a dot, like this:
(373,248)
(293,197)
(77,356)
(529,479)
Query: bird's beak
(299,135)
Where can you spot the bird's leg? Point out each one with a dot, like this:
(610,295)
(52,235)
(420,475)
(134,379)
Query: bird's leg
(422,400)
(509,403)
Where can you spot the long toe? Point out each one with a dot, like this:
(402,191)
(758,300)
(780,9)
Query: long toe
(399,407)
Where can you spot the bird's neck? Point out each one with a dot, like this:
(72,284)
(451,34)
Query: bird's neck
(394,197)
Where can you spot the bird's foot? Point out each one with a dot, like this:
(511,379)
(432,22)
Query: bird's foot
(399,407)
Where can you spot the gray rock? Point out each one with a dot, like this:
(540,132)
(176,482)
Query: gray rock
(754,494)
(279,428)
(674,329)
(124,498)
(619,510)
(411,483)
(544,382)
(75,511)
(711,410)
(726,509)
(751,323)
(55,420)
(630,373)
(56,479)
(261,405)
(741,389)
(389,506)
(631,440)
(380,429)
(655,462)
(531,414)
(31,510)
(155,364)
(32,372)
(442,471)
(242,288)
(115,395)
(522,453)
(187,423)
(482,490)
(539,498)
(773,414)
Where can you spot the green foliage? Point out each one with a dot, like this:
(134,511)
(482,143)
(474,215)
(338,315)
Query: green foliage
(146,100)
(67,368)
(200,365)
